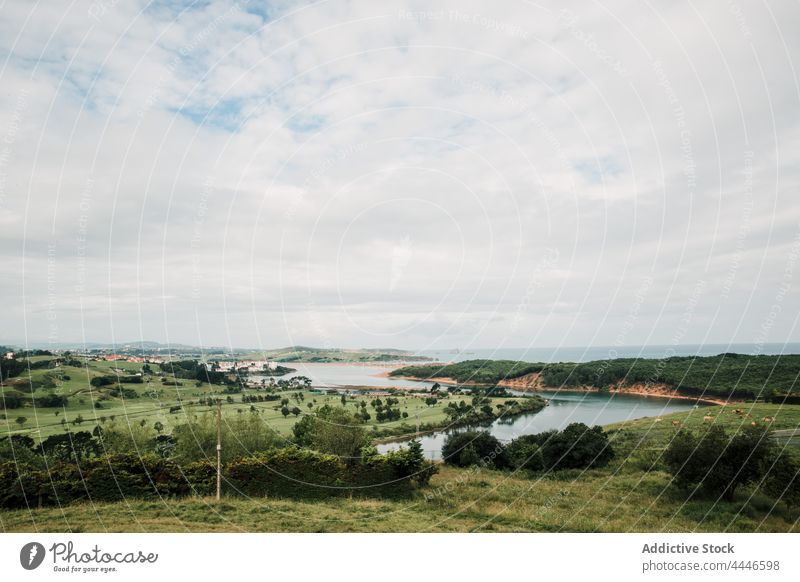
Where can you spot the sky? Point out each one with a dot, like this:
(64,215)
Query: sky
(384,174)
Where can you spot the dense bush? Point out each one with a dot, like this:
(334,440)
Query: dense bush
(714,464)
(464,449)
(120,392)
(12,367)
(286,472)
(783,480)
(131,379)
(71,445)
(295,472)
(576,447)
(333,430)
(741,376)
(107,478)
(243,435)
(51,401)
(100,381)
(471,371)
(525,452)
(11,400)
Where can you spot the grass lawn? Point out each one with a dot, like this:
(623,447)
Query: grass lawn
(654,433)
(613,499)
(633,493)
(155,400)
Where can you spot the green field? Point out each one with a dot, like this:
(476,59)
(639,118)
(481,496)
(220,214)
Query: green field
(323,355)
(155,400)
(632,494)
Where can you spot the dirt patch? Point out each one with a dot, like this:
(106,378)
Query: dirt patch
(533,382)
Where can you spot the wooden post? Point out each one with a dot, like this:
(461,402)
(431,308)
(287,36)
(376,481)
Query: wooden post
(219,449)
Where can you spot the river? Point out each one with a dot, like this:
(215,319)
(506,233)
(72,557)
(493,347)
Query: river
(564,408)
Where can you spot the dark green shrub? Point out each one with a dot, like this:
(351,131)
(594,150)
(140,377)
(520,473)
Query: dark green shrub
(289,472)
(11,400)
(464,449)
(50,401)
(576,447)
(783,481)
(100,381)
(525,453)
(715,464)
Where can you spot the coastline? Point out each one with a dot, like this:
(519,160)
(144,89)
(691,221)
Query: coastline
(662,390)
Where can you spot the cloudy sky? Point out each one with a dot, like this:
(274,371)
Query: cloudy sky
(375,173)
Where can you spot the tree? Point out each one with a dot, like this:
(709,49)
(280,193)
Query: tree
(69,446)
(335,431)
(464,449)
(10,400)
(715,464)
(285,411)
(159,426)
(21,420)
(302,430)
(525,453)
(296,411)
(783,481)
(576,447)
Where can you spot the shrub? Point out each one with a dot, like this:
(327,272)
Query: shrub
(286,473)
(715,464)
(464,449)
(783,481)
(11,400)
(525,453)
(100,381)
(577,447)
(242,436)
(120,392)
(51,401)
(334,431)
(410,463)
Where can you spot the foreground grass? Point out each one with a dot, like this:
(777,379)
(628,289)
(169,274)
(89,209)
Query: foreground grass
(615,499)
(632,494)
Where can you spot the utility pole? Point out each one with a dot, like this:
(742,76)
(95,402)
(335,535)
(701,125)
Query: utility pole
(219,449)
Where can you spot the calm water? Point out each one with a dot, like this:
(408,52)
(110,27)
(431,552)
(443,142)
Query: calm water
(565,407)
(344,375)
(590,408)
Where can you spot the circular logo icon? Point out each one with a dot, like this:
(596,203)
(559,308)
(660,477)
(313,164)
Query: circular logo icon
(31,555)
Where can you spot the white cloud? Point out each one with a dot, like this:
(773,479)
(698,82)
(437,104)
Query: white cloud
(379,173)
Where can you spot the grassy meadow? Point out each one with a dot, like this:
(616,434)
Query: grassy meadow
(632,493)
(614,499)
(90,406)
